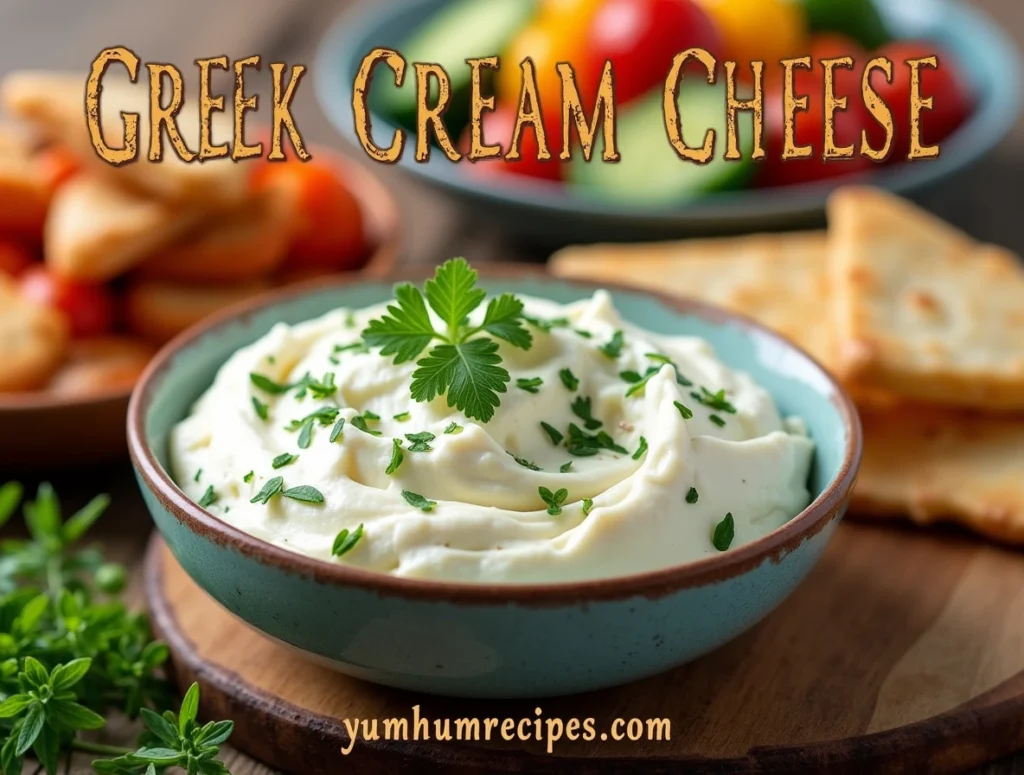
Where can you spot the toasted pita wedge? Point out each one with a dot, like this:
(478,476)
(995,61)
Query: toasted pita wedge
(159,311)
(32,340)
(24,187)
(100,365)
(54,103)
(778,279)
(936,465)
(922,310)
(96,231)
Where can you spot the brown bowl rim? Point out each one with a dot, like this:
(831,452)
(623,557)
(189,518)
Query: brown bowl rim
(651,584)
(378,203)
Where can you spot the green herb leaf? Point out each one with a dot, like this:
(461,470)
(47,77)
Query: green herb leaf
(453,427)
(267,385)
(554,500)
(84,518)
(418,501)
(336,430)
(584,334)
(396,457)
(248,477)
(503,319)
(209,497)
(565,467)
(262,410)
(588,504)
(359,422)
(659,358)
(529,384)
(613,347)
(345,541)
(641,449)
(641,384)
(526,463)
(725,531)
(553,433)
(270,489)
(420,442)
(630,376)
(714,400)
(717,420)
(683,410)
(451,292)
(401,417)
(468,372)
(406,330)
(583,444)
(282,460)
(581,408)
(569,379)
(304,493)
(199,473)
(692,495)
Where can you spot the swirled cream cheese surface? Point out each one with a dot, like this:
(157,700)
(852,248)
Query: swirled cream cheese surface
(613,451)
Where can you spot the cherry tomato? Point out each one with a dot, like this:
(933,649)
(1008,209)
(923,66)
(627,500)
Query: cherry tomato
(329,231)
(951,102)
(88,308)
(497,130)
(810,123)
(14,258)
(641,38)
(765,30)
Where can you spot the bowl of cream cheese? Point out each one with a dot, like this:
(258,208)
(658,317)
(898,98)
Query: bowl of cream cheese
(500,485)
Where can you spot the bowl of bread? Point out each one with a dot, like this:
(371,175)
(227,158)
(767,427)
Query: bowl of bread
(101,264)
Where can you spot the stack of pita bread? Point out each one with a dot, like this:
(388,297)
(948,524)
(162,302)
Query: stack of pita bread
(924,326)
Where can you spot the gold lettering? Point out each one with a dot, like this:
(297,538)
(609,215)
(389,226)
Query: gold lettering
(129,152)
(673,122)
(604,107)
(281,116)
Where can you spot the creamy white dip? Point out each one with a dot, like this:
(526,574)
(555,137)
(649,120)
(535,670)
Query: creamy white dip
(490,524)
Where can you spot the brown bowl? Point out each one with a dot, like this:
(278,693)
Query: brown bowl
(40,429)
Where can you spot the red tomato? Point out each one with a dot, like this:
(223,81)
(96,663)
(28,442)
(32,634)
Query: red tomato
(809,125)
(641,38)
(497,130)
(88,308)
(951,102)
(14,258)
(329,232)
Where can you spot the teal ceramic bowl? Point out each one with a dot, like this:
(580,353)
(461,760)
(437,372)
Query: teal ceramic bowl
(540,211)
(495,640)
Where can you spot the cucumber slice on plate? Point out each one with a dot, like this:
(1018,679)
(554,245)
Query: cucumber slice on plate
(461,30)
(650,171)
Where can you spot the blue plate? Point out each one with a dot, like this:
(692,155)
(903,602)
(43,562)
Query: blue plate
(540,210)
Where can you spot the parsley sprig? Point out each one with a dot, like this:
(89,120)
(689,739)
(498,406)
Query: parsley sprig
(465,366)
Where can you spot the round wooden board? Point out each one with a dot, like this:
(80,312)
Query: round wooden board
(902,652)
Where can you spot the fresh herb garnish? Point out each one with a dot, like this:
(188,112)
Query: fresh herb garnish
(418,501)
(304,493)
(359,421)
(569,379)
(371,415)
(583,444)
(267,385)
(209,497)
(337,429)
(198,474)
(588,504)
(641,449)
(359,347)
(546,325)
(350,320)
(613,347)
(346,541)
(270,489)
(717,420)
(453,427)
(248,477)
(565,467)
(420,441)
(282,460)
(553,433)
(554,500)
(581,407)
(261,408)
(683,410)
(464,368)
(322,388)
(325,415)
(659,358)
(584,334)
(714,400)
(725,531)
(692,495)
(641,383)
(396,457)
(526,463)
(401,417)
(630,376)
(529,384)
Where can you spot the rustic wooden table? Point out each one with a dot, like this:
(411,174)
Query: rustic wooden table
(985,201)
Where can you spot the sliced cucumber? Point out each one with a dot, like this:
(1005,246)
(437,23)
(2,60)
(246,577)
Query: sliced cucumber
(650,171)
(461,30)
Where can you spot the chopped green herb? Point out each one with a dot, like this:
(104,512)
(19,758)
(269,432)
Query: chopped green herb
(337,429)
(370,415)
(565,467)
(714,400)
(268,385)
(717,420)
(529,384)
(691,495)
(283,460)
(585,334)
(271,360)
(641,449)
(659,358)
(325,415)
(641,384)
(260,407)
(418,501)
(304,493)
(396,457)
(420,441)
(333,360)
(554,500)
(359,347)
(198,474)
(453,427)
(350,320)
(725,531)
(630,376)
(546,325)
(359,421)
(270,489)
(553,433)
(209,497)
(401,417)
(526,463)
(248,477)
(569,379)
(305,435)
(322,388)
(583,444)
(683,410)
(613,347)
(588,504)
(346,541)
(581,407)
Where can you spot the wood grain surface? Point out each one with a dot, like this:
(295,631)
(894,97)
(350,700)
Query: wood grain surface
(901,651)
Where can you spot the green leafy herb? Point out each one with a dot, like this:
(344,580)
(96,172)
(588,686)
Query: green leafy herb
(418,501)
(359,421)
(325,415)
(270,489)
(526,463)
(267,385)
(282,460)
(261,408)
(715,401)
(584,334)
(322,388)
(717,420)
(725,531)
(304,493)
(337,429)
(565,467)
(358,347)
(396,457)
(659,358)
(554,500)
(691,495)
(371,415)
(350,320)
(588,504)
(420,441)
(199,473)
(581,407)
(641,449)
(630,376)
(641,383)
(401,417)
(683,410)
(583,444)
(613,347)
(569,379)
(248,477)
(553,433)
(453,427)
(209,497)
(463,368)
(529,384)
(346,541)
(546,325)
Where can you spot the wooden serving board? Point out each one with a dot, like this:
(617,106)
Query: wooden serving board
(902,652)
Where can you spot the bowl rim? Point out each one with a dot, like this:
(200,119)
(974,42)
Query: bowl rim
(651,584)
(378,204)
(993,114)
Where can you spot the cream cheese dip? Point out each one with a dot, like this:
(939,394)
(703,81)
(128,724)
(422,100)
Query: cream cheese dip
(672,472)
